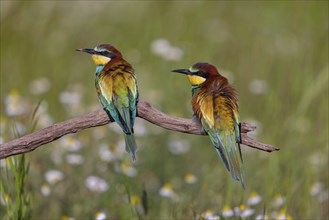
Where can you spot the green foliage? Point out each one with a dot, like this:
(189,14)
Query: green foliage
(275,54)
(13,187)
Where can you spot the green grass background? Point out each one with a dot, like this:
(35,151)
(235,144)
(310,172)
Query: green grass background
(284,43)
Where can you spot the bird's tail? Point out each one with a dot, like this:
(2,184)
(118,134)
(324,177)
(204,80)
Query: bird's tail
(131,145)
(229,151)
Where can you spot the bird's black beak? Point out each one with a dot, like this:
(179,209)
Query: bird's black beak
(87,50)
(182,71)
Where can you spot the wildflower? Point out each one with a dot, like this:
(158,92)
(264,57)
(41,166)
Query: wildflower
(167,191)
(162,48)
(70,98)
(105,154)
(42,108)
(174,54)
(113,152)
(209,215)
(278,200)
(178,146)
(15,104)
(20,128)
(136,202)
(65,217)
(70,143)
(316,188)
(282,215)
(227,211)
(42,116)
(254,199)
(39,86)
(261,217)
(243,211)
(96,184)
(45,190)
(74,159)
(128,170)
(100,216)
(190,178)
(44,120)
(54,176)
(258,86)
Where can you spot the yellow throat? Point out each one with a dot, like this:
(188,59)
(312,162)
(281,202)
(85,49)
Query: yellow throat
(196,80)
(100,60)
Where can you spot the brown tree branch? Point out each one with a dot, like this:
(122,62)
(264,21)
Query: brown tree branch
(32,141)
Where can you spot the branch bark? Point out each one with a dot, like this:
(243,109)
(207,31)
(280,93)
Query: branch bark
(145,111)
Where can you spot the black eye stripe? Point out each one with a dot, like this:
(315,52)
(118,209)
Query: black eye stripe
(106,53)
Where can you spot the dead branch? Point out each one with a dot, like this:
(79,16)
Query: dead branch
(32,141)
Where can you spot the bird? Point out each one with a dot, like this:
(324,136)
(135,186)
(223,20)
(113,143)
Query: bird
(117,91)
(216,110)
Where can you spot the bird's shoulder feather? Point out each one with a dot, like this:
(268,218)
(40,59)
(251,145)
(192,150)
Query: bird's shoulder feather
(217,104)
(118,79)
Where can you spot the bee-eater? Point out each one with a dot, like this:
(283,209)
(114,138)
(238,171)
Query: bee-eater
(215,107)
(116,89)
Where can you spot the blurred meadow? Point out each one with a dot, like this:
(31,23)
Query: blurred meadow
(275,53)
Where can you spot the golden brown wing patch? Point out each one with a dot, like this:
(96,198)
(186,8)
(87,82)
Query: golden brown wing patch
(203,107)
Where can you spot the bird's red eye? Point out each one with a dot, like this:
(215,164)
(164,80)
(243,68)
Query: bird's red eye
(199,72)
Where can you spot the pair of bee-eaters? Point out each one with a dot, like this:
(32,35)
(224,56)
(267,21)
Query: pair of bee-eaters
(214,103)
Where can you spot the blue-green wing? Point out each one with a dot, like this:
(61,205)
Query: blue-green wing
(118,94)
(218,120)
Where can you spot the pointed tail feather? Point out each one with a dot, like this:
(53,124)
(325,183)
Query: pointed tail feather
(131,145)
(236,166)
(229,151)
(223,157)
